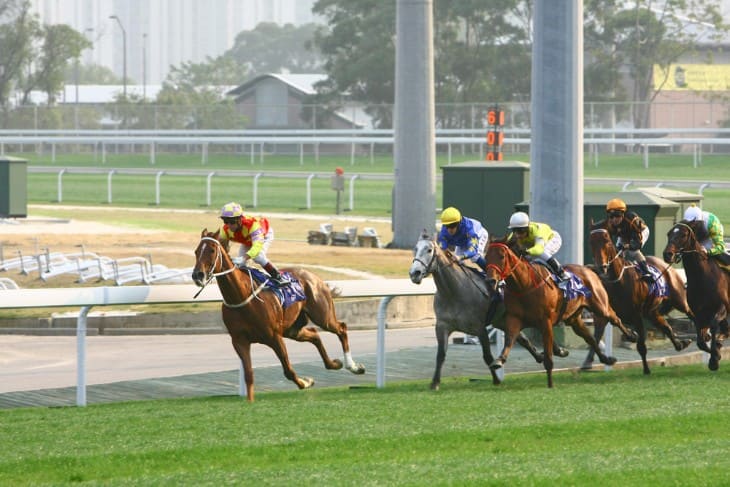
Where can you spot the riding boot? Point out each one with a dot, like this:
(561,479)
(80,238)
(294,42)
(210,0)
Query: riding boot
(557,269)
(276,276)
(644,269)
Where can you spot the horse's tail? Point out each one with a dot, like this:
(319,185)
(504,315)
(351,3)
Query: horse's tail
(335,292)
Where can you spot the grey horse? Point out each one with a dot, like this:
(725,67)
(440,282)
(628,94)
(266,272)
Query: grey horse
(460,304)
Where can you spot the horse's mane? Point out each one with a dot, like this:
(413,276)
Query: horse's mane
(599,224)
(698,228)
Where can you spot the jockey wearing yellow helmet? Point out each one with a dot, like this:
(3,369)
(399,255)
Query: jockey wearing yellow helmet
(712,237)
(536,241)
(465,235)
(630,234)
(253,233)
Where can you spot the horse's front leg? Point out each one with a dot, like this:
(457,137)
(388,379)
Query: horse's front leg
(243,349)
(487,354)
(442,341)
(547,343)
(579,327)
(715,343)
(512,328)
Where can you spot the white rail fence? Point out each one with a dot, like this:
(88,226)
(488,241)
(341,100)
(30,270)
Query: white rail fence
(306,179)
(86,298)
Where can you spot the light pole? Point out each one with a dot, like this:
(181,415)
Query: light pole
(144,66)
(124,53)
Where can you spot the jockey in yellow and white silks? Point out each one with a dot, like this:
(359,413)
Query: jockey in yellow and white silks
(536,241)
(466,236)
(253,233)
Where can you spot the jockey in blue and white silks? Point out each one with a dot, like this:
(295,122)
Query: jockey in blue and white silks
(465,236)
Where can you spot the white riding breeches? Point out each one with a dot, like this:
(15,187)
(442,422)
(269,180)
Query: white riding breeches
(551,247)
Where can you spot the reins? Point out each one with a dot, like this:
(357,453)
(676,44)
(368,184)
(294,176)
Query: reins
(218,262)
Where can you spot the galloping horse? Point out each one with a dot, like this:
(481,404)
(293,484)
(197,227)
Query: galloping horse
(708,286)
(460,304)
(253,314)
(631,297)
(532,299)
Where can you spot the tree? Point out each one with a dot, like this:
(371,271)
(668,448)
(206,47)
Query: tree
(633,36)
(61,45)
(270,48)
(480,48)
(18,30)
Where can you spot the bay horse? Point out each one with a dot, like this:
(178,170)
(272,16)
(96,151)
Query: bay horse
(631,296)
(533,299)
(460,304)
(708,286)
(254,314)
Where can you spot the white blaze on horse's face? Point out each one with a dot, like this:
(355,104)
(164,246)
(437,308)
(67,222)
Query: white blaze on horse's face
(423,255)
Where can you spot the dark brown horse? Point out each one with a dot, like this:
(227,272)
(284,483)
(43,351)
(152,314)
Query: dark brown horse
(254,314)
(532,299)
(708,286)
(630,296)
(460,304)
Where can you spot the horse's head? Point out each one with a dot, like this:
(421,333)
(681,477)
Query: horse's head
(424,257)
(208,257)
(602,248)
(501,262)
(680,238)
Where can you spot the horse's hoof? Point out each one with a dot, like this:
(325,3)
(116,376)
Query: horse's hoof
(496,365)
(713,364)
(307,382)
(358,369)
(609,360)
(586,366)
(540,358)
(435,386)
(633,338)
(337,364)
(562,352)
(683,344)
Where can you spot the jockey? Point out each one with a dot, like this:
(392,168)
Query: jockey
(253,233)
(630,232)
(536,241)
(465,235)
(714,244)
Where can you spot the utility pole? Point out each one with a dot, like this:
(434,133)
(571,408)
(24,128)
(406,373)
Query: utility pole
(124,53)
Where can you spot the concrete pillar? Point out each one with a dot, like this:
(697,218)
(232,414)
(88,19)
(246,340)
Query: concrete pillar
(556,155)
(414,193)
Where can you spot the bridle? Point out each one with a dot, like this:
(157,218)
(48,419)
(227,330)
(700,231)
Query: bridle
(218,263)
(690,241)
(610,261)
(452,261)
(511,264)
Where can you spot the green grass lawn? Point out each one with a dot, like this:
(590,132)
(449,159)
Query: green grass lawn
(617,428)
(371,197)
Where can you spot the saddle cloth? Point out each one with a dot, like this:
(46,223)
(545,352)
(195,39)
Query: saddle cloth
(658,286)
(573,287)
(287,295)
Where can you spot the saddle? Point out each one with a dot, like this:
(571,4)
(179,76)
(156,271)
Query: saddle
(287,295)
(572,288)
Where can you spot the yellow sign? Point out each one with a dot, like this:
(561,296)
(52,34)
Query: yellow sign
(693,77)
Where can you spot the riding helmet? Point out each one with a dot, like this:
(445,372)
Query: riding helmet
(450,216)
(693,213)
(231,210)
(616,204)
(518,220)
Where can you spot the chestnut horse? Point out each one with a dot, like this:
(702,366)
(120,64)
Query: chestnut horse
(630,296)
(533,299)
(460,304)
(708,286)
(254,314)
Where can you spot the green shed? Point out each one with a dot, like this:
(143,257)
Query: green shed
(683,198)
(660,215)
(487,191)
(13,187)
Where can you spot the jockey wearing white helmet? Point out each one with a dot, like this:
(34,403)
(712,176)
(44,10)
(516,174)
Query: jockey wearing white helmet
(536,241)
(714,241)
